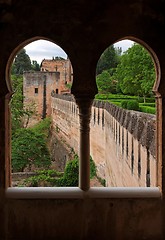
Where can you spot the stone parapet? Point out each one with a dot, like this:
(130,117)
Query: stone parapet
(141,125)
(122,142)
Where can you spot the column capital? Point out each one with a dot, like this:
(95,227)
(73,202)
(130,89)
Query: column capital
(84,102)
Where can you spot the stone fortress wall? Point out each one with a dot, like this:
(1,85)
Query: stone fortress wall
(122,142)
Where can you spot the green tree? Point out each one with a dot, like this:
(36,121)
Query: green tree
(105,83)
(21,63)
(35,66)
(108,60)
(135,72)
(18,112)
(29,148)
(16,102)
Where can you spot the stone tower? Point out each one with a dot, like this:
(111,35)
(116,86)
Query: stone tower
(54,76)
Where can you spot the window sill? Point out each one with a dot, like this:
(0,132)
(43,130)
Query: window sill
(77,193)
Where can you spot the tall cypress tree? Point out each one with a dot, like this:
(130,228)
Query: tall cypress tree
(21,63)
(108,60)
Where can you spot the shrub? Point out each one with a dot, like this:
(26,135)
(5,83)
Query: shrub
(140,99)
(69,178)
(133,105)
(43,177)
(49,172)
(124,104)
(150,100)
(71,174)
(102,181)
(116,103)
(92,168)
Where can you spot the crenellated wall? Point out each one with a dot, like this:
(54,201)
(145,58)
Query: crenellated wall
(122,143)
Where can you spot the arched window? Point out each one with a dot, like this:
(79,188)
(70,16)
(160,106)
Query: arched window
(125,151)
(34,108)
(123,139)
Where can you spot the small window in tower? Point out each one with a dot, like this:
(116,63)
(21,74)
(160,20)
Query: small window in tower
(56,90)
(36,90)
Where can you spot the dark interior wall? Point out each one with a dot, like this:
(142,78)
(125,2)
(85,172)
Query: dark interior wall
(83,29)
(84,219)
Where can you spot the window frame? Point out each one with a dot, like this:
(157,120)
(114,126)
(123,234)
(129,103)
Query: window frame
(91,192)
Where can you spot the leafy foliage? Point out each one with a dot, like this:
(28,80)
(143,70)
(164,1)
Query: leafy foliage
(69,178)
(130,104)
(133,105)
(122,100)
(17,109)
(105,69)
(135,73)
(92,168)
(29,148)
(132,73)
(43,127)
(124,104)
(21,63)
(71,174)
(16,103)
(35,66)
(105,83)
(43,177)
(108,60)
(147,109)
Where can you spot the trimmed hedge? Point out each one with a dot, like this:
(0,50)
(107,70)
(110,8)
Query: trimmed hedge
(124,104)
(116,103)
(130,105)
(147,104)
(121,97)
(133,105)
(146,109)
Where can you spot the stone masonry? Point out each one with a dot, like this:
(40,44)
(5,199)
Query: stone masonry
(55,76)
(122,142)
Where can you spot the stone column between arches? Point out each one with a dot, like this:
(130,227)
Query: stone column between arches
(84,103)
